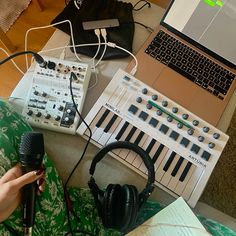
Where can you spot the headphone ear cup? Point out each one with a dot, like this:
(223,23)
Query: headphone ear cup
(129,206)
(111,206)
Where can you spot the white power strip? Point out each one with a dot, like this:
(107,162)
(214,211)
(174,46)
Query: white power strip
(49,104)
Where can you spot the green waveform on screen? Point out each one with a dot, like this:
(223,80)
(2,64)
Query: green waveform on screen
(213,3)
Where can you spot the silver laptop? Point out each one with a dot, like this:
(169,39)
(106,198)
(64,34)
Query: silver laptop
(191,56)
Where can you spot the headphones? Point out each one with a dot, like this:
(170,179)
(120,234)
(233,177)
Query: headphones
(118,205)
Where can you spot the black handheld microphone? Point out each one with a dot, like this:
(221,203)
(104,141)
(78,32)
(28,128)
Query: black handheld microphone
(31,156)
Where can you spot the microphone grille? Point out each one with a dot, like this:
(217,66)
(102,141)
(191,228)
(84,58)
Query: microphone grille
(32,143)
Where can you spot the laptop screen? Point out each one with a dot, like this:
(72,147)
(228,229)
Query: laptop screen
(211,24)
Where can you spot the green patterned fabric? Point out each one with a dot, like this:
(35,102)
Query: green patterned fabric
(51,216)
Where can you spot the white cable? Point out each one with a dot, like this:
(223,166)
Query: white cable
(104,35)
(109,44)
(97,33)
(14,63)
(48,26)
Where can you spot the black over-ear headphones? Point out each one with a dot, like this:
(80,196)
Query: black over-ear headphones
(118,206)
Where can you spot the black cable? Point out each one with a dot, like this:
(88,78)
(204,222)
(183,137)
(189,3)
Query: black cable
(36,56)
(67,197)
(149,29)
(146,3)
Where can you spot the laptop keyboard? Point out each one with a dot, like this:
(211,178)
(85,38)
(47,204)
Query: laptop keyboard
(191,64)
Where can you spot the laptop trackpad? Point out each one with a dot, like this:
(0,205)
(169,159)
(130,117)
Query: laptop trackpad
(175,87)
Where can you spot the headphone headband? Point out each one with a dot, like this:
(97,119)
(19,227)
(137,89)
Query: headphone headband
(145,157)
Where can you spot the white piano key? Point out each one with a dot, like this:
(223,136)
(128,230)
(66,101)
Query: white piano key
(167,176)
(100,130)
(105,136)
(192,183)
(160,172)
(181,185)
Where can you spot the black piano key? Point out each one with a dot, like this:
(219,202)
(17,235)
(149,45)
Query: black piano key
(110,123)
(103,117)
(122,130)
(131,133)
(150,146)
(138,139)
(158,152)
(177,166)
(185,172)
(169,161)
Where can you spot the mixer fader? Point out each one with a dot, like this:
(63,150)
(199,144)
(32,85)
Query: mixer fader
(184,148)
(49,103)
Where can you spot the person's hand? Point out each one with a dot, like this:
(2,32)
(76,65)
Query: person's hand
(10,186)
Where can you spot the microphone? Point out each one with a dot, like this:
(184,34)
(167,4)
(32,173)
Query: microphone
(31,156)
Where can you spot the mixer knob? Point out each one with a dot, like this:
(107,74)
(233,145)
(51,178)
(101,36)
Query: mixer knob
(216,135)
(190,131)
(47,116)
(200,138)
(144,90)
(38,114)
(211,145)
(149,106)
(185,116)
(139,99)
(159,112)
(36,92)
(67,119)
(57,118)
(51,65)
(164,103)
(206,129)
(169,119)
(195,122)
(44,94)
(60,108)
(174,109)
(68,111)
(180,125)
(154,97)
(30,113)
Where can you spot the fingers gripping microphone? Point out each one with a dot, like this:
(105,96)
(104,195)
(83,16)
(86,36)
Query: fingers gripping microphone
(31,156)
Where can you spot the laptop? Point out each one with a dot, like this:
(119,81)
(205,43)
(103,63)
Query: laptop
(191,56)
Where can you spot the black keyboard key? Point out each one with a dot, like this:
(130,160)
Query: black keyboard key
(177,166)
(131,133)
(103,117)
(110,123)
(122,130)
(169,161)
(158,152)
(185,172)
(150,146)
(138,139)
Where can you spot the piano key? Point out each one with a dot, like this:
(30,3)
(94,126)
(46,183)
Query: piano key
(102,118)
(181,184)
(160,158)
(139,138)
(167,176)
(126,153)
(150,145)
(170,160)
(179,163)
(101,124)
(106,135)
(192,183)
(122,130)
(95,120)
(185,172)
(160,172)
(110,123)
(157,153)
(175,179)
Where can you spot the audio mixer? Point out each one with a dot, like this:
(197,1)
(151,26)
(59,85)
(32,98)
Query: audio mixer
(49,104)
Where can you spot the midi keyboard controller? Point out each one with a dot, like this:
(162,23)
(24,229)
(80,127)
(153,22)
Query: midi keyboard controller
(184,148)
(49,103)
